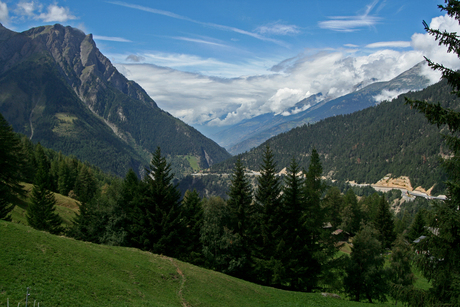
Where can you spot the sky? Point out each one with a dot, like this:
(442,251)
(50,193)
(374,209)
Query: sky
(216,63)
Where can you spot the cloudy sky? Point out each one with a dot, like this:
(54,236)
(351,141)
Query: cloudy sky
(216,63)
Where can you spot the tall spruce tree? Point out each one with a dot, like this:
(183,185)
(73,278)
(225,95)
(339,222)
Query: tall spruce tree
(333,203)
(384,223)
(241,213)
(269,208)
(41,212)
(291,221)
(193,215)
(352,214)
(12,160)
(400,272)
(311,245)
(440,261)
(161,220)
(319,248)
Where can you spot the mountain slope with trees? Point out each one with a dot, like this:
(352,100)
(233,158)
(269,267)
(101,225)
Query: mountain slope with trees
(57,88)
(367,145)
(252,132)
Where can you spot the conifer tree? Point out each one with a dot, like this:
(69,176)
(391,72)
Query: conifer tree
(384,223)
(401,276)
(130,207)
(85,185)
(241,211)
(12,161)
(41,212)
(418,226)
(365,273)
(268,206)
(440,261)
(333,203)
(222,248)
(193,215)
(402,224)
(352,214)
(161,220)
(291,221)
(318,246)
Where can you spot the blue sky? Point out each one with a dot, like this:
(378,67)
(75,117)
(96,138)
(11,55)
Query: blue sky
(219,62)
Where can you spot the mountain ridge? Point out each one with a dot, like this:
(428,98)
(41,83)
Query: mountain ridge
(59,89)
(238,139)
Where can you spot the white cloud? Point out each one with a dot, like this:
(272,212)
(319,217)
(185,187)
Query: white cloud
(196,98)
(4,15)
(394,44)
(199,41)
(351,23)
(201,97)
(388,95)
(111,38)
(27,8)
(278,29)
(56,13)
(426,44)
(206,24)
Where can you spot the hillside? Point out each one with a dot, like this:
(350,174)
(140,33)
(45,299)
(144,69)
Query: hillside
(57,88)
(367,145)
(64,272)
(253,132)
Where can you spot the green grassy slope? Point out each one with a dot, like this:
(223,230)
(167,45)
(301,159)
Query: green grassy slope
(65,272)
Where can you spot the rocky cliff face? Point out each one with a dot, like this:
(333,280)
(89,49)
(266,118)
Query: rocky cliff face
(85,67)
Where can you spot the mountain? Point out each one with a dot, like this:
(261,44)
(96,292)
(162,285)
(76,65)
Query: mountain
(57,88)
(251,133)
(367,145)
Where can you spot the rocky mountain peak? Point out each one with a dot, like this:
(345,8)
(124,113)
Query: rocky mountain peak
(81,61)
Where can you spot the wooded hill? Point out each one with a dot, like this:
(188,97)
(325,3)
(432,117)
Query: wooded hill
(253,132)
(366,145)
(57,88)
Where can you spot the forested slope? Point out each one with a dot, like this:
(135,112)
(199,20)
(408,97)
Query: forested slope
(57,88)
(368,144)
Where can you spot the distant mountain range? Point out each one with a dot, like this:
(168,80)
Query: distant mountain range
(365,146)
(57,88)
(253,132)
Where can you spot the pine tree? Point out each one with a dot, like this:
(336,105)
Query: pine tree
(41,213)
(291,222)
(418,226)
(352,214)
(240,208)
(193,216)
(161,220)
(268,205)
(12,161)
(365,273)
(333,203)
(441,257)
(85,185)
(221,246)
(318,249)
(384,223)
(401,276)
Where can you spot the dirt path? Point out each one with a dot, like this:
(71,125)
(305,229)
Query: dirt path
(183,302)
